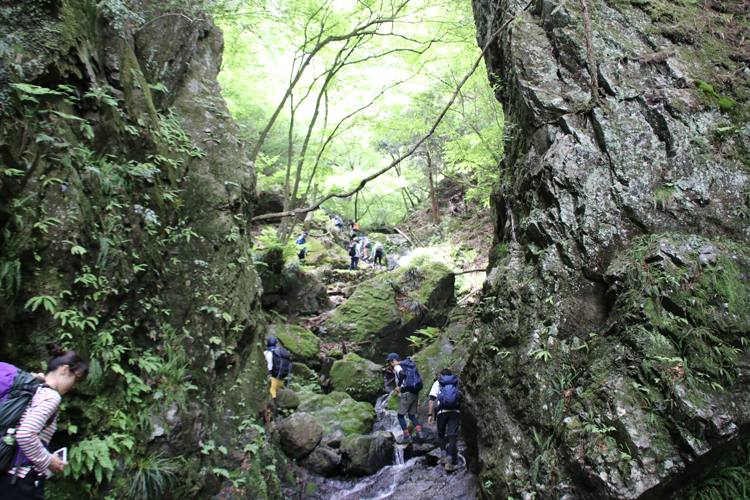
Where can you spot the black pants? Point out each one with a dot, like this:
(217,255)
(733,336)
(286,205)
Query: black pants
(24,489)
(450,421)
(378,257)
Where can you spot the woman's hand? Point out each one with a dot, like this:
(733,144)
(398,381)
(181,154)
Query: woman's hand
(430,420)
(57,465)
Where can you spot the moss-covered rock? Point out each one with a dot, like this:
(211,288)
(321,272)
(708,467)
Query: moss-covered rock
(299,434)
(323,461)
(388,308)
(360,378)
(368,454)
(287,399)
(338,411)
(303,372)
(302,343)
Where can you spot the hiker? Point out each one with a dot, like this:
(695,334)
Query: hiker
(408,385)
(339,223)
(354,253)
(38,423)
(301,244)
(445,392)
(279,364)
(353,228)
(377,253)
(364,244)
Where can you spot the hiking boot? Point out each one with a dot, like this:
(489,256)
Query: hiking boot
(443,460)
(406,439)
(418,436)
(450,467)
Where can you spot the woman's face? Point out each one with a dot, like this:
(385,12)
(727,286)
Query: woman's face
(66,379)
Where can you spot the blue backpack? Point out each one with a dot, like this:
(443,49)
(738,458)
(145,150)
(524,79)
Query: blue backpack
(412,381)
(448,397)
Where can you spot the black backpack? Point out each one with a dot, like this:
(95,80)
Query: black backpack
(17,387)
(448,397)
(352,250)
(282,363)
(412,381)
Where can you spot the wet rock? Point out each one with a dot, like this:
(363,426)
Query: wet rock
(334,439)
(322,461)
(299,434)
(304,346)
(366,454)
(337,411)
(287,399)
(358,377)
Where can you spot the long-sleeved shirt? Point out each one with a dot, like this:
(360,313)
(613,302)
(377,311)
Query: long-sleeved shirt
(33,430)
(269,359)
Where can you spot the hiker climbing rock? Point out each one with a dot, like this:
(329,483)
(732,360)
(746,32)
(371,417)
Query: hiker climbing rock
(30,461)
(353,228)
(408,385)
(279,363)
(447,408)
(377,253)
(354,253)
(301,245)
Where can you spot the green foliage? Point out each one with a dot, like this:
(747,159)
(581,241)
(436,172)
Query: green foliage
(730,482)
(151,477)
(423,337)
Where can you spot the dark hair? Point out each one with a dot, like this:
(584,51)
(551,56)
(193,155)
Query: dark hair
(60,357)
(446,372)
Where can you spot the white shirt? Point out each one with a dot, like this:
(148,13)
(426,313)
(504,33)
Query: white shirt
(269,359)
(397,371)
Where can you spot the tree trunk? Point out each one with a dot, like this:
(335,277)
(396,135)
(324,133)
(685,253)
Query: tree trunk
(435,215)
(309,216)
(406,203)
(356,199)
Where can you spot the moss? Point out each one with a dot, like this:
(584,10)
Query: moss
(302,343)
(357,377)
(338,411)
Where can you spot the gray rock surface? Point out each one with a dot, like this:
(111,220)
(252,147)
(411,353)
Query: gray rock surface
(366,454)
(299,434)
(579,381)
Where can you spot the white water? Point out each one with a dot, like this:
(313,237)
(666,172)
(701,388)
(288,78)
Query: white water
(393,473)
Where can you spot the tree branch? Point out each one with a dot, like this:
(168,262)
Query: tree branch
(411,150)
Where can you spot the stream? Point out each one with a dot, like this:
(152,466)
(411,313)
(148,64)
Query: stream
(414,473)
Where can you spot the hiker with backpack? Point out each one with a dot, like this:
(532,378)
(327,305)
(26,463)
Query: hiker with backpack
(446,402)
(279,363)
(354,253)
(377,253)
(28,419)
(301,244)
(408,385)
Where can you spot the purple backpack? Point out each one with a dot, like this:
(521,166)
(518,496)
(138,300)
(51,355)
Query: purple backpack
(17,387)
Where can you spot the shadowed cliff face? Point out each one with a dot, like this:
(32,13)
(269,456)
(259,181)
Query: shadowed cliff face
(610,356)
(125,200)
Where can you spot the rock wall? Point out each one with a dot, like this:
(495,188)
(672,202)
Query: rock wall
(125,200)
(610,353)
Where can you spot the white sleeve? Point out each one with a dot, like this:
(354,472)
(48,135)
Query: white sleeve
(269,360)
(434,390)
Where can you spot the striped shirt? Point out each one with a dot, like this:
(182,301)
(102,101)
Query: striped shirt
(32,429)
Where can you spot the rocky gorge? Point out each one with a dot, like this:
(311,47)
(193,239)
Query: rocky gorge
(606,357)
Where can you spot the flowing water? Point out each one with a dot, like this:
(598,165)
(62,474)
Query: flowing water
(414,477)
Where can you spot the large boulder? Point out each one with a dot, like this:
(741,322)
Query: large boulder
(303,344)
(360,378)
(325,253)
(388,308)
(305,294)
(337,411)
(367,454)
(287,399)
(323,461)
(299,434)
(269,203)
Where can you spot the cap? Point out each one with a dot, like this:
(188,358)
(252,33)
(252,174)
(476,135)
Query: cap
(392,356)
(304,234)
(272,341)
